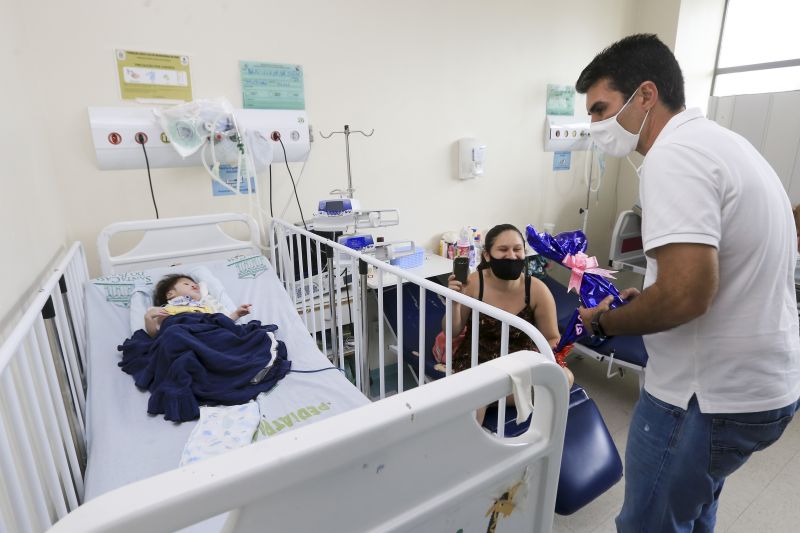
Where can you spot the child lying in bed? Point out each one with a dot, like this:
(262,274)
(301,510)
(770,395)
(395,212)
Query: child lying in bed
(179,293)
(191,353)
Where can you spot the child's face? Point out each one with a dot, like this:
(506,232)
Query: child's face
(184,287)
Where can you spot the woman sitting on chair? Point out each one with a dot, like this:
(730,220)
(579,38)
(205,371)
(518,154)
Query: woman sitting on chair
(501,281)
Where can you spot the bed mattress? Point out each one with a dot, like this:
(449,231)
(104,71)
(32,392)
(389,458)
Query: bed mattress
(125,444)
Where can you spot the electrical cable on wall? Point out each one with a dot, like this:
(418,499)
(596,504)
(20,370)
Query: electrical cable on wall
(299,178)
(286,160)
(270,192)
(141,139)
(588,171)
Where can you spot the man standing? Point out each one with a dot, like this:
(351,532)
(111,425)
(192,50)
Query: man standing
(718,311)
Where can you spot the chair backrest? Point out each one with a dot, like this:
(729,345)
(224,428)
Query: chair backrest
(590,463)
(566,302)
(576,396)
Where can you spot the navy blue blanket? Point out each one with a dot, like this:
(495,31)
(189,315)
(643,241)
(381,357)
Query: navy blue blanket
(200,358)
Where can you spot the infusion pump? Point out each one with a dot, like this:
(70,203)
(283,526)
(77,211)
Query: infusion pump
(345,214)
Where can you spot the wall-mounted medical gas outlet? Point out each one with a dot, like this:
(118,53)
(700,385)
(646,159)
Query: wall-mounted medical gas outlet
(117,133)
(471,158)
(566,134)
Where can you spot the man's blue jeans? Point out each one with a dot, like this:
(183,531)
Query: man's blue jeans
(677,460)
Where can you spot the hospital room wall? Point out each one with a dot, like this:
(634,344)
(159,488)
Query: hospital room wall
(422,74)
(33,230)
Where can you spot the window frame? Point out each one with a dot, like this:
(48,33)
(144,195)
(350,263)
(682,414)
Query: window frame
(743,68)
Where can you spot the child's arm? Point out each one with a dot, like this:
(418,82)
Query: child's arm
(241,311)
(153,318)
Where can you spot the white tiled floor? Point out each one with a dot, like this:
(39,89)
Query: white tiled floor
(762,497)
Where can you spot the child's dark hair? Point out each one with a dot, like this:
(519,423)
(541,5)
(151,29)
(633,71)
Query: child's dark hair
(491,236)
(166,284)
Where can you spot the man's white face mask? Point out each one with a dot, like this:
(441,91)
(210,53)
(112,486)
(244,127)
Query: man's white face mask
(611,138)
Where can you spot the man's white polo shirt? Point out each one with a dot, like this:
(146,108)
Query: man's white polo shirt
(702,183)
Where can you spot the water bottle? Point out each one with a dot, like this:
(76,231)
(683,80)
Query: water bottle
(462,248)
(476,245)
(472,257)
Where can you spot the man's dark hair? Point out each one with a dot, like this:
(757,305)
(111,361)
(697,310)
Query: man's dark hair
(166,284)
(630,62)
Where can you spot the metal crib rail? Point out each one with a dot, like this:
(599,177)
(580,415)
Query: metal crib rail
(284,255)
(42,402)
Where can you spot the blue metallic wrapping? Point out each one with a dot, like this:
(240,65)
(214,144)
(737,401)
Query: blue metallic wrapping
(593,287)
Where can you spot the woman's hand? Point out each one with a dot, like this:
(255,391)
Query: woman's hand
(460,313)
(454,284)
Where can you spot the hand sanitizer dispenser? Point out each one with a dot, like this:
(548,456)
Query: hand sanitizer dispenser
(471,157)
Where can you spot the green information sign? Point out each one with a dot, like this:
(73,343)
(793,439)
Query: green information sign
(272,86)
(150,76)
(560,100)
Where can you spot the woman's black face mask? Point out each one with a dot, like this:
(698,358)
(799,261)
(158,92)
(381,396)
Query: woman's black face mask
(506,269)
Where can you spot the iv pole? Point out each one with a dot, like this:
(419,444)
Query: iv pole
(347,131)
(584,211)
(364,366)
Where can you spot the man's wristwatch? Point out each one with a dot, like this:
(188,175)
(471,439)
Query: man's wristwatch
(597,328)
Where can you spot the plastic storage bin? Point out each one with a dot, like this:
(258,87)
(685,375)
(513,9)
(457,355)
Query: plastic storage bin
(406,255)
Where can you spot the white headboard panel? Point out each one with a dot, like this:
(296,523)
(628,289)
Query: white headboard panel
(181,240)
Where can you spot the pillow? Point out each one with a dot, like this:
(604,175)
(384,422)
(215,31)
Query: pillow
(142,297)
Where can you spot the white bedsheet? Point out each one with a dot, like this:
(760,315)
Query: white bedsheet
(125,444)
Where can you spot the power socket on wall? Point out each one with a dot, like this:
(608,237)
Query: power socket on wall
(119,134)
(566,134)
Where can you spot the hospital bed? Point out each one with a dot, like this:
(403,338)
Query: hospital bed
(413,461)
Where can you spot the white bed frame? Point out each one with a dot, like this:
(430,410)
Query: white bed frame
(42,403)
(415,461)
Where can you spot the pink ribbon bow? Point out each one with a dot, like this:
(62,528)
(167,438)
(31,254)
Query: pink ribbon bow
(580,264)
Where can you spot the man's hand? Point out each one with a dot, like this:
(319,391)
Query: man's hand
(629,294)
(685,287)
(588,314)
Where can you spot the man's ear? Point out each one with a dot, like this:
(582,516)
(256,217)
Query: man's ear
(649,92)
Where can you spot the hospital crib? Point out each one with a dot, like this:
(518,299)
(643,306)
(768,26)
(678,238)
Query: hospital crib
(424,438)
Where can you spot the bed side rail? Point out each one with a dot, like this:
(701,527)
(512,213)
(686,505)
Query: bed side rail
(179,239)
(42,403)
(415,461)
(299,266)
